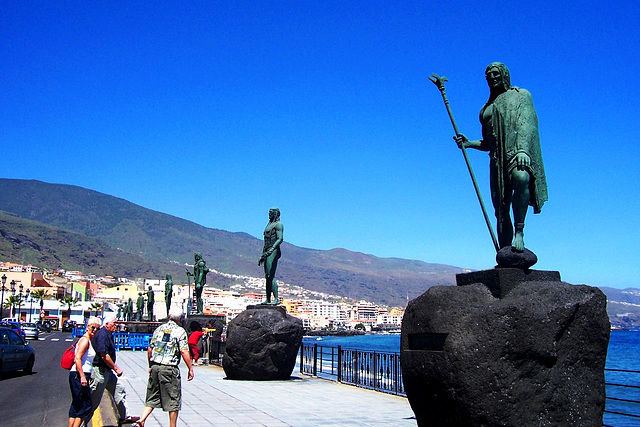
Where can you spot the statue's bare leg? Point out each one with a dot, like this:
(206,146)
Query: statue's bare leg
(520,181)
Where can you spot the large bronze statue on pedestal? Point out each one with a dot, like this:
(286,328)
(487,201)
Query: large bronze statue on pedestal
(150,301)
(510,135)
(168,291)
(199,274)
(273,233)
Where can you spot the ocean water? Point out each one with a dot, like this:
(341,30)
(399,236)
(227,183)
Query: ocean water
(623,354)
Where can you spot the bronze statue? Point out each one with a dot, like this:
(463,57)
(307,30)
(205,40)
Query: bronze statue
(200,271)
(168,291)
(510,135)
(271,254)
(150,301)
(129,310)
(139,307)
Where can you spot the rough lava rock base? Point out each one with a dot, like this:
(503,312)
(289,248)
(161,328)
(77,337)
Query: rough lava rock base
(262,344)
(534,357)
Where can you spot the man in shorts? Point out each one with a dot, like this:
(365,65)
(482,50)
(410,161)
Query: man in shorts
(164,388)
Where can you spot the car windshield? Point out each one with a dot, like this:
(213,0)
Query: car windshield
(28,325)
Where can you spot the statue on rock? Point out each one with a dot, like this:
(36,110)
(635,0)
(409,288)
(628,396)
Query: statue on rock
(139,307)
(271,254)
(510,135)
(168,291)
(150,301)
(200,271)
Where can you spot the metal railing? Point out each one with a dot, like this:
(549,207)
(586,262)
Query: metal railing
(382,372)
(623,399)
(368,369)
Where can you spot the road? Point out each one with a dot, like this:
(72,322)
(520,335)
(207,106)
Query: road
(42,398)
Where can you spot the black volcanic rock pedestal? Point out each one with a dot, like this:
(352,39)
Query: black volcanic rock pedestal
(262,344)
(506,347)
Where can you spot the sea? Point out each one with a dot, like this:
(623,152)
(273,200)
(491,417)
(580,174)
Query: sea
(623,354)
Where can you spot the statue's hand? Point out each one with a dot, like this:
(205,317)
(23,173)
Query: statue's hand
(523,161)
(260,261)
(461,140)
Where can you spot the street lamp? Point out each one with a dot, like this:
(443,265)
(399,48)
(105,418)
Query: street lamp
(4,280)
(13,294)
(30,303)
(21,287)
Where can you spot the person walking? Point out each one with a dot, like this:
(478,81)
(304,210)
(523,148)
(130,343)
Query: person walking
(106,372)
(80,375)
(164,387)
(194,342)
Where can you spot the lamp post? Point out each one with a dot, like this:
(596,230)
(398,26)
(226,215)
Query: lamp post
(20,301)
(13,294)
(30,303)
(4,280)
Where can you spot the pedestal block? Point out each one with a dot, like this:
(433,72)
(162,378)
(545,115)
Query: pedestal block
(262,344)
(506,347)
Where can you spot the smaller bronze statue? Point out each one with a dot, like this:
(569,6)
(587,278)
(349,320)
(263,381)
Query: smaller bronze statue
(271,253)
(168,291)
(139,307)
(150,301)
(199,274)
(129,310)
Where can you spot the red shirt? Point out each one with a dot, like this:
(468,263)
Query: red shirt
(195,336)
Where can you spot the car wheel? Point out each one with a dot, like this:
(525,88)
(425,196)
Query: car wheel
(28,369)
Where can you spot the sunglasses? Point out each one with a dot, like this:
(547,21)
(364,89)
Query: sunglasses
(93,328)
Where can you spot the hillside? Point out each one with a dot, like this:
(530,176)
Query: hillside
(154,243)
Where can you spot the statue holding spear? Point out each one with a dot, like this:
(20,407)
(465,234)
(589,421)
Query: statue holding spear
(510,135)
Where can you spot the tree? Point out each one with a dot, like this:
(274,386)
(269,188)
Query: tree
(69,301)
(359,326)
(39,295)
(12,301)
(96,306)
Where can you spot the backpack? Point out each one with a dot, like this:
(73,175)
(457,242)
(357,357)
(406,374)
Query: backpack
(68,357)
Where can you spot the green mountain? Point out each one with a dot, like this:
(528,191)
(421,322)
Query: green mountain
(75,228)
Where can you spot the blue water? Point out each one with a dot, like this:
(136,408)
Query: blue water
(624,351)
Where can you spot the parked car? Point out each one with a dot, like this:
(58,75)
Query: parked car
(15,353)
(14,326)
(44,326)
(30,330)
(68,325)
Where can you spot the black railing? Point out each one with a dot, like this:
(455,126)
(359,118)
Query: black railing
(368,369)
(623,399)
(381,372)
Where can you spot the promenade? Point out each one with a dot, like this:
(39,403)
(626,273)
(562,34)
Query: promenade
(210,399)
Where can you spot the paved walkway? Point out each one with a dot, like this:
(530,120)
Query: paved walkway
(210,399)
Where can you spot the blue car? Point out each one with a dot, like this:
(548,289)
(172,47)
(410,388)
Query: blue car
(14,326)
(15,353)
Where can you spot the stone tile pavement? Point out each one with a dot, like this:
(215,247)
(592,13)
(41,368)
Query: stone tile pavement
(210,400)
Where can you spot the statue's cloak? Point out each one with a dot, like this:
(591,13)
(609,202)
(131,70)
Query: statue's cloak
(515,125)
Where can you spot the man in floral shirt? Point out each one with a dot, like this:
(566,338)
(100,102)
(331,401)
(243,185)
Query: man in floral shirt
(164,389)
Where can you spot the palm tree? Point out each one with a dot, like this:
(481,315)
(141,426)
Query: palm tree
(39,295)
(96,306)
(69,301)
(12,301)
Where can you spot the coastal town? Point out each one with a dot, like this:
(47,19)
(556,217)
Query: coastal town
(30,294)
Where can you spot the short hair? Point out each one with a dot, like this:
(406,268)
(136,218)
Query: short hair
(109,319)
(175,314)
(94,321)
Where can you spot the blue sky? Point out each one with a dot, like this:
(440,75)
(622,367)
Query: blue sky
(214,111)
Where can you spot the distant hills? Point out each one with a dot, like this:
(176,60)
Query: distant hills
(65,226)
(70,227)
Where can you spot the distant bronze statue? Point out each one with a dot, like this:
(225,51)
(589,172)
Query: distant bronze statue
(129,310)
(510,135)
(168,291)
(200,271)
(150,301)
(273,233)
(139,307)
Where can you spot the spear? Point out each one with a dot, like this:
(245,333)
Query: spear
(439,82)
